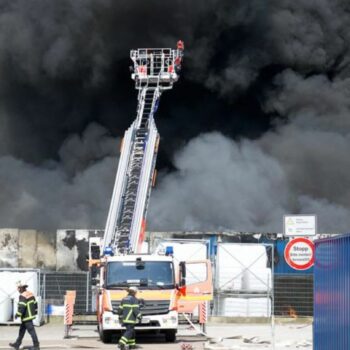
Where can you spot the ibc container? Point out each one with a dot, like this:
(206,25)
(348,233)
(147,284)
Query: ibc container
(232,307)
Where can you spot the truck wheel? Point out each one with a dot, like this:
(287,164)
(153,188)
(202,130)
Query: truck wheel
(106,336)
(170,336)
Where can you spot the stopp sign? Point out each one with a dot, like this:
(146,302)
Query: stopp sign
(300,253)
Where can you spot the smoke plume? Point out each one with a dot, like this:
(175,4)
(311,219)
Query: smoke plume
(257,127)
(69,193)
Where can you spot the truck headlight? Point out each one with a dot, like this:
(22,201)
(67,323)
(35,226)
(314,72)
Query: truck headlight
(170,319)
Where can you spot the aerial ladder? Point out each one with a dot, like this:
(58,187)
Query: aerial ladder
(154,71)
(115,260)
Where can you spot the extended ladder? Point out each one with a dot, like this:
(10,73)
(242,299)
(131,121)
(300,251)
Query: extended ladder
(154,71)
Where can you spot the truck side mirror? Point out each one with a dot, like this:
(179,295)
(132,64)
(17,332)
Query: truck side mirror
(94,249)
(182,274)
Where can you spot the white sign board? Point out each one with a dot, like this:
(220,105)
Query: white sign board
(300,225)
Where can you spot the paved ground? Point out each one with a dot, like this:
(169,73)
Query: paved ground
(252,336)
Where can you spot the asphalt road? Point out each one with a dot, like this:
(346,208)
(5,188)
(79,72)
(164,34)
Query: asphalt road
(290,336)
(86,337)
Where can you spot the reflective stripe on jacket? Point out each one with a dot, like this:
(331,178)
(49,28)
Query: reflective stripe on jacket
(129,309)
(27,306)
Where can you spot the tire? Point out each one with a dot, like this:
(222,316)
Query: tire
(106,336)
(170,336)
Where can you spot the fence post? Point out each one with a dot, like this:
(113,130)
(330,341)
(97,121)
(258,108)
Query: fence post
(44,299)
(87,291)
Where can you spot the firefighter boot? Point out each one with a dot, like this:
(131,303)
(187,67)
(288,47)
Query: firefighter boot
(123,347)
(14,345)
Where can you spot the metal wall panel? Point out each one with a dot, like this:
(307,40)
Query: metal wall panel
(332,294)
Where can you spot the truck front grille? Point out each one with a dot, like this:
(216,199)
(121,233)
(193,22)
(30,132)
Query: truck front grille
(151,307)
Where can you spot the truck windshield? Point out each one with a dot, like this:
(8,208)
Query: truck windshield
(147,275)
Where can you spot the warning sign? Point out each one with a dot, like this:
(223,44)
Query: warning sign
(300,253)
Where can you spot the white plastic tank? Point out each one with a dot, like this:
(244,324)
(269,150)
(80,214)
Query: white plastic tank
(242,255)
(229,278)
(144,247)
(232,307)
(5,307)
(259,307)
(257,279)
(8,291)
(184,251)
(187,251)
(9,280)
(237,264)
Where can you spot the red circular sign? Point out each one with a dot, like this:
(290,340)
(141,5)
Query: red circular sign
(300,253)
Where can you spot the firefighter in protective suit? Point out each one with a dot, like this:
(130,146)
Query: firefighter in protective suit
(27,311)
(130,315)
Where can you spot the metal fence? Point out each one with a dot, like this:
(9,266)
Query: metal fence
(55,285)
(293,295)
(289,295)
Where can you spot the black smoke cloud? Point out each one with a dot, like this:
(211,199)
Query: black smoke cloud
(257,127)
(68,193)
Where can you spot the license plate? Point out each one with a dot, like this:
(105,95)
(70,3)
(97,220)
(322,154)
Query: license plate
(145,320)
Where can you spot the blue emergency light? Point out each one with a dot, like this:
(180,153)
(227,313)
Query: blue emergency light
(108,251)
(169,251)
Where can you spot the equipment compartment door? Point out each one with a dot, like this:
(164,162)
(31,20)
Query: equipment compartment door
(199,286)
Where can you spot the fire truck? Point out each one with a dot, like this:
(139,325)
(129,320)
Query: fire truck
(116,260)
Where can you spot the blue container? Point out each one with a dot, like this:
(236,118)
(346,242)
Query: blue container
(49,309)
(332,294)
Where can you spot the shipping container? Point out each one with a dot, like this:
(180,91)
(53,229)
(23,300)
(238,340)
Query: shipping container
(331,327)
